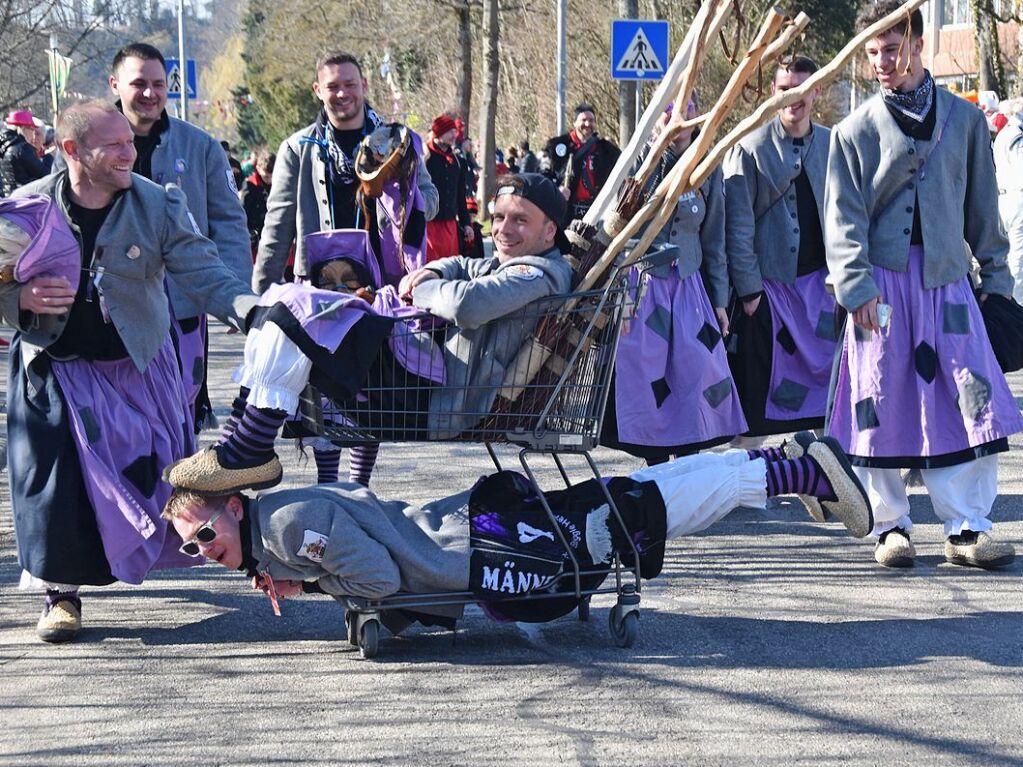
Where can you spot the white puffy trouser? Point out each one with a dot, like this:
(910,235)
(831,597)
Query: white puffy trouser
(962,495)
(698,490)
(274,369)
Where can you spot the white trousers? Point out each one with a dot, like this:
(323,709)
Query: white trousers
(274,369)
(962,495)
(698,490)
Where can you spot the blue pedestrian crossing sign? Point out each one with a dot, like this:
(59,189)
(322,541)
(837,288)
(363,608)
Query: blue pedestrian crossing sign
(176,79)
(639,49)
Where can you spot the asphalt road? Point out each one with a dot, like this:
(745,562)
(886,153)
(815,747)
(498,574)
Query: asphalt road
(768,640)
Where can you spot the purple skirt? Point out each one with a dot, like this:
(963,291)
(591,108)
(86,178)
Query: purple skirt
(127,427)
(926,391)
(803,317)
(673,387)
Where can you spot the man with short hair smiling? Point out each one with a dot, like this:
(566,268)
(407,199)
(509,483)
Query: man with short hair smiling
(314,183)
(96,404)
(785,335)
(171,151)
(911,195)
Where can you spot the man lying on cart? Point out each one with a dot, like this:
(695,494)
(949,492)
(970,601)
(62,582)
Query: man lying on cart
(495,542)
(305,332)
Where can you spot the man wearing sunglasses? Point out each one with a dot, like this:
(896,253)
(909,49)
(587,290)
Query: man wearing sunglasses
(343,540)
(96,402)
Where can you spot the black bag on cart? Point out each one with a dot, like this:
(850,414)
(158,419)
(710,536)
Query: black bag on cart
(514,549)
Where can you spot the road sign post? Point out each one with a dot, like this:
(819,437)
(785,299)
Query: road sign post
(639,49)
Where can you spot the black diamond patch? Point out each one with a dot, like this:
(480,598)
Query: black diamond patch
(955,319)
(661,391)
(198,370)
(719,392)
(142,473)
(709,336)
(926,361)
(785,340)
(92,430)
(790,395)
(826,326)
(862,335)
(659,321)
(974,395)
(866,414)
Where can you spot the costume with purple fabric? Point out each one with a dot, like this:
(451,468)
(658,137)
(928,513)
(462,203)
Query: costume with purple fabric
(782,354)
(673,391)
(911,191)
(87,462)
(935,395)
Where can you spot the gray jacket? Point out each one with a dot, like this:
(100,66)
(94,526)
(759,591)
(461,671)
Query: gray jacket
(192,160)
(146,235)
(354,544)
(698,228)
(871,195)
(762,224)
(298,205)
(474,293)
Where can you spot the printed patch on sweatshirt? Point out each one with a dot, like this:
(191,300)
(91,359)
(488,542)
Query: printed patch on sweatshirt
(314,546)
(525,271)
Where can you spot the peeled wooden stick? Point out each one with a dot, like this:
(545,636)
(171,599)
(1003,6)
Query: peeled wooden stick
(708,30)
(664,92)
(821,77)
(662,202)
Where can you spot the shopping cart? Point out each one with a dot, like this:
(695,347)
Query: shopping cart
(549,400)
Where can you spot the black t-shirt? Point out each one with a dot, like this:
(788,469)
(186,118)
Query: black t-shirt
(811,237)
(345,208)
(87,334)
(145,145)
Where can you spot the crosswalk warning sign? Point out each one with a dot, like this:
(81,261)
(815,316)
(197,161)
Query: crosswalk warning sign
(639,49)
(639,56)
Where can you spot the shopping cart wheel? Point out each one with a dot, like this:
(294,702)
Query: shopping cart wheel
(369,635)
(624,628)
(584,609)
(350,626)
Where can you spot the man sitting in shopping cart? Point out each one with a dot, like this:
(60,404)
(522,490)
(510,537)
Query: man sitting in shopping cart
(495,541)
(292,338)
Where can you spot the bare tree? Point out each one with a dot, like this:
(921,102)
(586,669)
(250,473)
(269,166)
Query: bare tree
(990,69)
(488,117)
(25,29)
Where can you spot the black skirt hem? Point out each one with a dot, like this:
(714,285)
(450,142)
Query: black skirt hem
(932,461)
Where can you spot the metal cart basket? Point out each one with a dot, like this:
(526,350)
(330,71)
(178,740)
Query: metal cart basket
(436,383)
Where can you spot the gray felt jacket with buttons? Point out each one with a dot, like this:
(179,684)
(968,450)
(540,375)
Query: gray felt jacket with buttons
(698,228)
(298,205)
(194,161)
(873,187)
(762,224)
(474,294)
(146,235)
(354,544)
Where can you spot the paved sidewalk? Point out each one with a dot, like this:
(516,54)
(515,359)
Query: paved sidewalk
(767,640)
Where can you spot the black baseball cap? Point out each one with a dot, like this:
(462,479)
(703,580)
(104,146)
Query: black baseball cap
(542,192)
